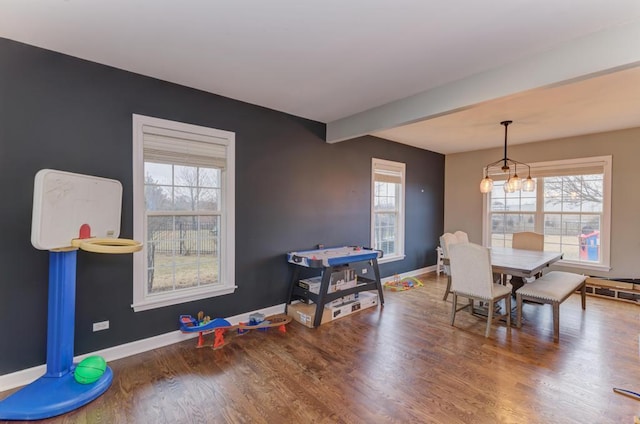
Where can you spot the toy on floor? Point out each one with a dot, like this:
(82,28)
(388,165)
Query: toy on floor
(402,284)
(90,369)
(204,325)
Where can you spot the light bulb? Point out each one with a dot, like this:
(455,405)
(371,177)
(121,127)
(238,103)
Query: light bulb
(529,184)
(508,188)
(486,185)
(515,182)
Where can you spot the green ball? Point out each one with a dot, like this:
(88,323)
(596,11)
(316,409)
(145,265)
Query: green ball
(90,369)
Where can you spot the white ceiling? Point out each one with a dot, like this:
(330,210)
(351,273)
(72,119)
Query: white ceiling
(372,66)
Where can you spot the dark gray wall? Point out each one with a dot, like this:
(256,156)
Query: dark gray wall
(293,191)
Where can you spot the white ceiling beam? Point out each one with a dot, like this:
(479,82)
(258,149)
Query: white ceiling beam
(599,53)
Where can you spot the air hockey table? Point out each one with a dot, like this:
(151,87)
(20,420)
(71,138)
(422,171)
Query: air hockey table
(329,260)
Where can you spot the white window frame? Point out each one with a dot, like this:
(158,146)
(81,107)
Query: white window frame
(226,285)
(605,233)
(398,168)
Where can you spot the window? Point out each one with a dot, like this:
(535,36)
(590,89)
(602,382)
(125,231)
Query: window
(387,208)
(183,211)
(571,207)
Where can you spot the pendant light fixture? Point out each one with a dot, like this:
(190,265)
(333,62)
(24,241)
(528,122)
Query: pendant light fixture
(514,182)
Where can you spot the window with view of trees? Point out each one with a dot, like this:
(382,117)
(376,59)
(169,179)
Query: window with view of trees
(570,207)
(184,212)
(387,211)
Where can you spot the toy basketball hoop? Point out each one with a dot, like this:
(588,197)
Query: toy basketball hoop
(70,212)
(81,211)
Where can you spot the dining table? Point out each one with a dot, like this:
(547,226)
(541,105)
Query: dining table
(520,262)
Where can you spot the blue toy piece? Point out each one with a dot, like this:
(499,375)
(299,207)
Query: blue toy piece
(190,325)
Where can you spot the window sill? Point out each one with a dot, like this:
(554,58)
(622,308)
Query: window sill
(393,258)
(173,298)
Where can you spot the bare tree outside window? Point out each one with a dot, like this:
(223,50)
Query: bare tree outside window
(575,191)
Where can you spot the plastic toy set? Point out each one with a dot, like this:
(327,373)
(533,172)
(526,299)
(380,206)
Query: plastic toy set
(205,325)
(402,284)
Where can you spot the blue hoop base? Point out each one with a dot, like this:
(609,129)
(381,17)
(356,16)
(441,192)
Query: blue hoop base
(50,396)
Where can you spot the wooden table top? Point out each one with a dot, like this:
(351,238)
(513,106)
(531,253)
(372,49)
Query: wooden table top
(519,262)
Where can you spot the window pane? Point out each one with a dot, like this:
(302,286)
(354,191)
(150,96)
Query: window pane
(209,177)
(503,225)
(187,272)
(162,276)
(182,252)
(160,247)
(497,204)
(512,202)
(208,270)
(499,240)
(158,173)
(208,199)
(209,249)
(497,223)
(568,209)
(157,198)
(385,225)
(385,232)
(385,196)
(592,194)
(185,176)
(528,202)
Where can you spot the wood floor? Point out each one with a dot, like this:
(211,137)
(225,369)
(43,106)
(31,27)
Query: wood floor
(402,363)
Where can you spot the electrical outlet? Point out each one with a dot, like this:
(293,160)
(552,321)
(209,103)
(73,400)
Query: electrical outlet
(99,326)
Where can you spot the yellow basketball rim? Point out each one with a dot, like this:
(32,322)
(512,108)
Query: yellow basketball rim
(107,245)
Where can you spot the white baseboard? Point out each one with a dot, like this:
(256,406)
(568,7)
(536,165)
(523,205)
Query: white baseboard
(26,376)
(413,273)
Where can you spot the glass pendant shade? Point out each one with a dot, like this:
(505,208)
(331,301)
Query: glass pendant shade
(515,182)
(486,185)
(508,188)
(529,184)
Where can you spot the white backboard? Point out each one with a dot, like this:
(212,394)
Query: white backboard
(63,202)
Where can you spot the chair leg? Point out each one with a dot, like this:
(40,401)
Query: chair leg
(583,294)
(453,308)
(489,317)
(448,290)
(556,321)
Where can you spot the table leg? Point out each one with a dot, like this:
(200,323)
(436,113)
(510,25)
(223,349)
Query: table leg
(324,287)
(294,280)
(376,272)
(516,283)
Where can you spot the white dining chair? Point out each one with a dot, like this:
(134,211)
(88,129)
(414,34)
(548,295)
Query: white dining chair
(472,277)
(527,240)
(446,240)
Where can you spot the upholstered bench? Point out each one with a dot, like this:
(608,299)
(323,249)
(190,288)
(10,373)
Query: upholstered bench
(552,288)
